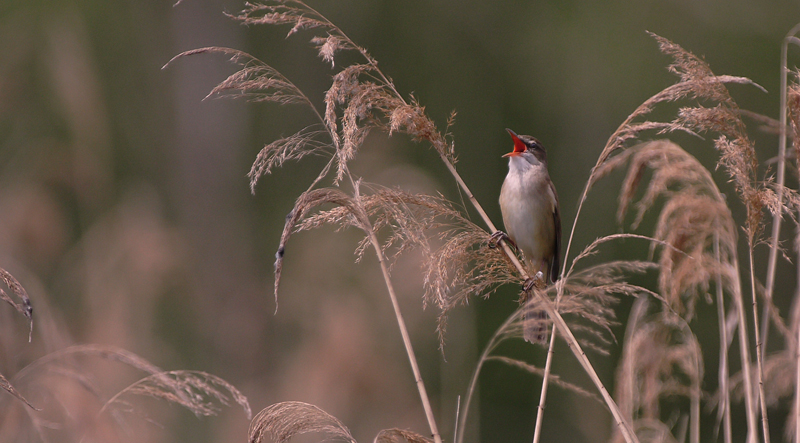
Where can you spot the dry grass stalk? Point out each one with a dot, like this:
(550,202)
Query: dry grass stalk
(362,100)
(282,421)
(197,391)
(781,177)
(355,212)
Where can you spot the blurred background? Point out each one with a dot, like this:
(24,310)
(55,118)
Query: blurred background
(125,209)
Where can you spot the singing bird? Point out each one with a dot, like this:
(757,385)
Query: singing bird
(529,204)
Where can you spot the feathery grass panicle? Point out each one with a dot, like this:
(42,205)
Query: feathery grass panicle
(259,82)
(457,261)
(697,81)
(255,81)
(793,104)
(66,376)
(293,13)
(588,299)
(588,296)
(693,216)
(67,355)
(738,158)
(305,203)
(8,387)
(281,422)
(196,391)
(661,359)
(24,305)
(361,96)
(737,151)
(395,435)
(696,223)
(462,267)
(307,141)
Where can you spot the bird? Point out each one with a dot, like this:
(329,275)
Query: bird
(529,206)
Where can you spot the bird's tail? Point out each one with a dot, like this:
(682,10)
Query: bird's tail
(534,324)
(534,321)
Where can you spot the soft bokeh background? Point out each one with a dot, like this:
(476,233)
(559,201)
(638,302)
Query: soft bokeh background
(126,213)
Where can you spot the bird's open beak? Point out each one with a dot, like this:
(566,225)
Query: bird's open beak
(519,146)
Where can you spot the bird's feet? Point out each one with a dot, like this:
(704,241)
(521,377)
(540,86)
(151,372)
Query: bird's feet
(537,281)
(499,236)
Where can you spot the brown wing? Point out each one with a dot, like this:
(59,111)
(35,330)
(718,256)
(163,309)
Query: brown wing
(555,266)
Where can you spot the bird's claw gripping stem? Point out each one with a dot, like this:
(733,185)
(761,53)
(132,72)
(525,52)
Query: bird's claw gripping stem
(499,236)
(537,281)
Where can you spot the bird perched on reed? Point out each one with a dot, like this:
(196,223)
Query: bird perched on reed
(529,204)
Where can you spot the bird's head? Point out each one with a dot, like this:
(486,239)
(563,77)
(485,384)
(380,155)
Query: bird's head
(528,148)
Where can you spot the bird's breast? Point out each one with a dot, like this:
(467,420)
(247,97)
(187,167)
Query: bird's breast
(527,205)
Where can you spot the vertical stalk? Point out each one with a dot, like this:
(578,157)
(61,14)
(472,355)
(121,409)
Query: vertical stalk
(537,431)
(426,404)
(744,353)
(759,352)
(725,401)
(366,226)
(797,389)
(694,409)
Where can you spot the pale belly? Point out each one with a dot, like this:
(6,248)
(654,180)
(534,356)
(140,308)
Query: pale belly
(528,220)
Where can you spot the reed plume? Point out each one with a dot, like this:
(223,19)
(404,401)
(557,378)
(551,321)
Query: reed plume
(67,378)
